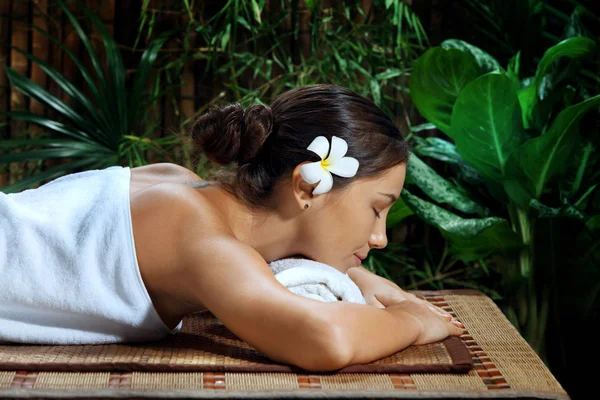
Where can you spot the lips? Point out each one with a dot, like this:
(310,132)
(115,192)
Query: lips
(357,260)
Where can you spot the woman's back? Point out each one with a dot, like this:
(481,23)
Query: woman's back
(68,257)
(162,207)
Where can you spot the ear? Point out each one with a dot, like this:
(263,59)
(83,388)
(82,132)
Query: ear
(302,190)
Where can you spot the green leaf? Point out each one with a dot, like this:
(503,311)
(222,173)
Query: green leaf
(593,223)
(225,38)
(32,89)
(581,162)
(486,62)
(141,77)
(48,174)
(389,73)
(574,48)
(544,211)
(439,189)
(397,213)
(376,91)
(514,67)
(438,77)
(256,9)
(538,160)
(72,92)
(45,154)
(444,150)
(486,123)
(423,127)
(50,124)
(116,90)
(470,239)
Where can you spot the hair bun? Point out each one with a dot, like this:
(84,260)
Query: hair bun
(227,133)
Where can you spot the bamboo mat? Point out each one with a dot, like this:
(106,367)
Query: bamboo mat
(504,366)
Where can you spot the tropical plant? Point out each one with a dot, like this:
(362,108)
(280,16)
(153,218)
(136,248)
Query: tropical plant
(520,157)
(257,57)
(92,132)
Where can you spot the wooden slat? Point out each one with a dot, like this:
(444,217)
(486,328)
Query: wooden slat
(5,9)
(18,62)
(39,48)
(55,56)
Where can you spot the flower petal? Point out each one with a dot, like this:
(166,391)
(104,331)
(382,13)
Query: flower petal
(325,185)
(319,145)
(339,147)
(345,167)
(312,172)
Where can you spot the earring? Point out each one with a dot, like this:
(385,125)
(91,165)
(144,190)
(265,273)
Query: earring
(305,206)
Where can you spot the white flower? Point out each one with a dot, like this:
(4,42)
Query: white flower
(336,163)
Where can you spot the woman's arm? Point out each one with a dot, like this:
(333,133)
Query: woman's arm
(235,283)
(381,292)
(237,286)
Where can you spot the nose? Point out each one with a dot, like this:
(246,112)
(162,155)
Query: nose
(378,238)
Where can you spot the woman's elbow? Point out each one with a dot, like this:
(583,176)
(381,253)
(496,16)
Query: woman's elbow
(329,354)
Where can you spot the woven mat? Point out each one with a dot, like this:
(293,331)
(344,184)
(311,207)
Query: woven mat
(204,344)
(504,366)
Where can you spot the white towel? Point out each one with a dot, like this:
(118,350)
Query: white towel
(68,267)
(316,280)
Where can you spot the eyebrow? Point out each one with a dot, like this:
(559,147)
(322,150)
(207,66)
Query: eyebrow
(392,197)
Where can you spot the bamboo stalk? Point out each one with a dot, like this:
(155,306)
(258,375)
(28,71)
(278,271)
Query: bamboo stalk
(18,62)
(55,29)
(5,8)
(107,13)
(39,45)
(73,43)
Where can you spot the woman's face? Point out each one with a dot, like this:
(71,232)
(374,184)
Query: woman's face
(335,231)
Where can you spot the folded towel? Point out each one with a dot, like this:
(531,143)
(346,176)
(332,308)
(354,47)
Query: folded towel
(316,280)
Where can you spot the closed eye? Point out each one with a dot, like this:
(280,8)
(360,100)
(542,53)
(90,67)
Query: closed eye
(377,213)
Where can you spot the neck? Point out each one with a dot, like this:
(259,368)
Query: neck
(274,234)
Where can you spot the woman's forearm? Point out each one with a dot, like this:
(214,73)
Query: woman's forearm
(366,333)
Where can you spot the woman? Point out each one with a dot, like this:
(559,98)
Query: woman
(196,245)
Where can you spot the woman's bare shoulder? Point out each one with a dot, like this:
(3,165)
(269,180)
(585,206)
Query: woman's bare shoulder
(165,172)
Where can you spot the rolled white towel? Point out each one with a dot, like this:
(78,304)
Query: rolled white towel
(316,280)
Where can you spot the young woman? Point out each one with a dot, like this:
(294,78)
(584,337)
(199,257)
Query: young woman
(124,254)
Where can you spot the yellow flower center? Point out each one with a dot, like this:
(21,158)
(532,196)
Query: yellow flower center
(325,164)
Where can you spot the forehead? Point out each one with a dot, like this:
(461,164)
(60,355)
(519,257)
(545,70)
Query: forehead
(391,181)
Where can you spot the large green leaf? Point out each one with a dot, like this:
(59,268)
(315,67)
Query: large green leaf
(439,189)
(583,162)
(50,124)
(574,48)
(538,160)
(568,210)
(438,77)
(141,77)
(116,72)
(471,238)
(486,62)
(486,123)
(73,92)
(444,150)
(32,89)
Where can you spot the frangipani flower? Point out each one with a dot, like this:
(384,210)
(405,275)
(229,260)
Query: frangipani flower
(336,163)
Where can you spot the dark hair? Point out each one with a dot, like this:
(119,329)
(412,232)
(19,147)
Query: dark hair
(269,142)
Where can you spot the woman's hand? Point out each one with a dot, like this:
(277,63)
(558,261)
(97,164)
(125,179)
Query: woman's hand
(432,327)
(382,293)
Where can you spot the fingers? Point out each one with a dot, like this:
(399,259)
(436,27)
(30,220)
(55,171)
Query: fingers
(456,324)
(389,297)
(455,330)
(373,301)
